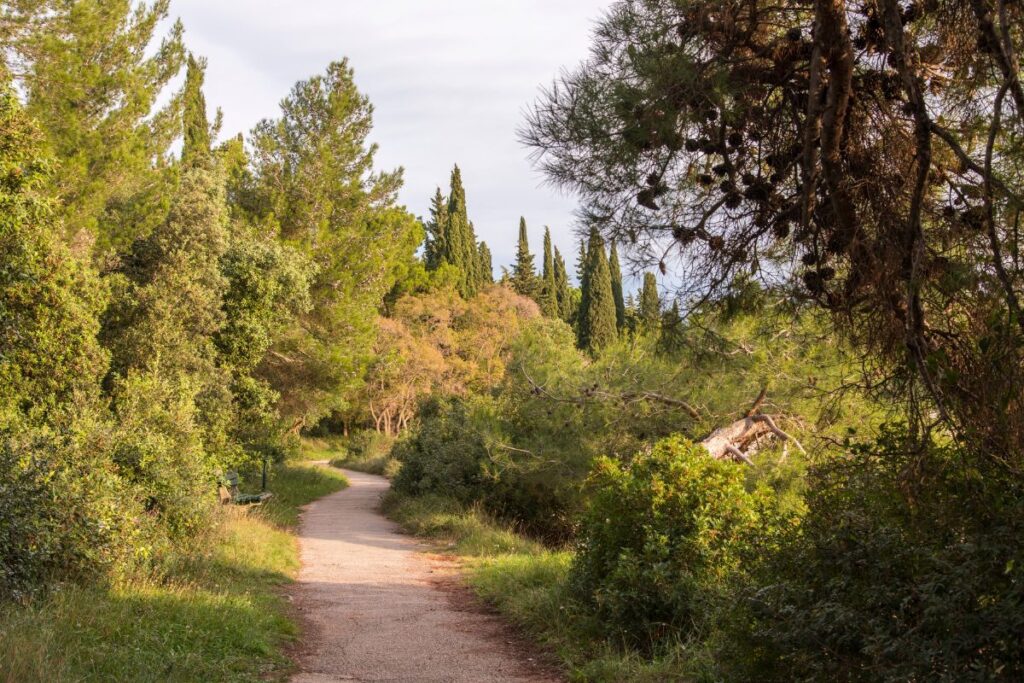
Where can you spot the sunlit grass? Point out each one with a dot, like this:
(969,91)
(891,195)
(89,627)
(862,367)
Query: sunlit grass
(214,612)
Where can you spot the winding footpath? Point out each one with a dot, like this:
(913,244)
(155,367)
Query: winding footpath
(377,608)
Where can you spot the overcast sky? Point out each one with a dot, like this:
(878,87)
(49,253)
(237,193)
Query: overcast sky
(450,80)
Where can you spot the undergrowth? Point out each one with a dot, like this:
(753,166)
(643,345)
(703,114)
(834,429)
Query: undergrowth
(211,611)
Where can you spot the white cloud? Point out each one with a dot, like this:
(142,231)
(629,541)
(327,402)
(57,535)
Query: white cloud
(449,79)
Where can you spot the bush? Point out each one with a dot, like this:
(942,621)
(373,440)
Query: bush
(662,541)
(444,455)
(908,566)
(64,512)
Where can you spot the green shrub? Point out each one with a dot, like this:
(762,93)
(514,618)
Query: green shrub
(65,514)
(662,541)
(907,566)
(444,455)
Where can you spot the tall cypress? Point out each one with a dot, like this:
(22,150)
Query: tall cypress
(524,277)
(436,250)
(597,328)
(473,258)
(196,126)
(549,290)
(670,339)
(650,304)
(460,249)
(486,267)
(616,275)
(562,288)
(581,263)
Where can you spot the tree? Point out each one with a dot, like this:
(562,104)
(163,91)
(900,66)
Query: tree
(314,177)
(435,251)
(650,304)
(486,266)
(562,289)
(597,328)
(524,276)
(549,289)
(49,300)
(616,274)
(93,81)
(821,137)
(461,249)
(197,143)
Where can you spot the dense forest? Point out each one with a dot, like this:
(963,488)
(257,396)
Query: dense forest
(766,424)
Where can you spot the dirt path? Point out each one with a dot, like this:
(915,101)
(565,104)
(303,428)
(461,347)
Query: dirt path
(375,608)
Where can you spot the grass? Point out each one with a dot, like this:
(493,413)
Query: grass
(529,584)
(213,612)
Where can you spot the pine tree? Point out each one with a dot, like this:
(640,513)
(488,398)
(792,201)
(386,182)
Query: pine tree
(316,179)
(95,81)
(564,294)
(435,252)
(650,305)
(616,274)
(524,277)
(196,146)
(486,266)
(597,328)
(549,290)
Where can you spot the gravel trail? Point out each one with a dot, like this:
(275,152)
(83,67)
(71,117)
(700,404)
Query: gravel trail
(377,608)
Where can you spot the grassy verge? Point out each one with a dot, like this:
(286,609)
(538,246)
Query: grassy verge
(528,584)
(212,613)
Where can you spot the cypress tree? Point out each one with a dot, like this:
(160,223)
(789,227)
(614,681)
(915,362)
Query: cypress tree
(616,275)
(196,146)
(562,288)
(650,304)
(549,291)
(473,258)
(597,328)
(524,277)
(581,263)
(486,266)
(671,338)
(460,248)
(436,250)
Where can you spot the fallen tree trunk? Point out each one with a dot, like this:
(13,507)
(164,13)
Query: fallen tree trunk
(741,439)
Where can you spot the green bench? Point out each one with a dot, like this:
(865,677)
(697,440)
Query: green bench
(229,492)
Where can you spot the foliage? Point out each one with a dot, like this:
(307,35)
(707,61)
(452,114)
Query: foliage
(549,284)
(650,304)
(211,610)
(94,80)
(524,276)
(867,155)
(49,300)
(596,327)
(615,271)
(438,342)
(662,540)
(907,566)
(313,176)
(445,456)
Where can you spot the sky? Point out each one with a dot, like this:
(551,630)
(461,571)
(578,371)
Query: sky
(450,81)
